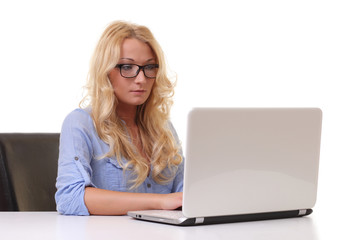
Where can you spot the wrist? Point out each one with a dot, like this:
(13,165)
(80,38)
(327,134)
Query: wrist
(156,201)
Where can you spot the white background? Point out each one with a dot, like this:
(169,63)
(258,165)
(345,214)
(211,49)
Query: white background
(225,53)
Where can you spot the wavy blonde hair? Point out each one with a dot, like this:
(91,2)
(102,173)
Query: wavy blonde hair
(152,118)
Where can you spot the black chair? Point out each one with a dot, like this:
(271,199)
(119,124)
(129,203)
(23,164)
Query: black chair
(28,170)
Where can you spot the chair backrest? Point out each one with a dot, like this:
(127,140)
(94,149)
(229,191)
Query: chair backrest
(28,170)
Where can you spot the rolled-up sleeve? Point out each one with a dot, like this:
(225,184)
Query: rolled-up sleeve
(74,170)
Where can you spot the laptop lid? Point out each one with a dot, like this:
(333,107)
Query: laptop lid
(251,160)
(245,164)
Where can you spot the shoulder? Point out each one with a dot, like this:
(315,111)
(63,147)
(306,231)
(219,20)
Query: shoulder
(79,115)
(78,118)
(78,132)
(79,122)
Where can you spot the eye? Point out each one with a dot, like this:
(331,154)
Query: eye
(151,67)
(127,67)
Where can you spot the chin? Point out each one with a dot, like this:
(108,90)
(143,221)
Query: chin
(138,103)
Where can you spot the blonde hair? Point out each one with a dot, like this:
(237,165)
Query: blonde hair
(152,118)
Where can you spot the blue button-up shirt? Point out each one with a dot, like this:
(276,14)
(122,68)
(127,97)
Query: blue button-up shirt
(80,165)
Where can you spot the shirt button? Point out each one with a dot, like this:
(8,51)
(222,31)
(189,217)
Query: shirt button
(149,185)
(76,158)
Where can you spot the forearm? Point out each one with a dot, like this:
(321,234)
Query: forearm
(105,202)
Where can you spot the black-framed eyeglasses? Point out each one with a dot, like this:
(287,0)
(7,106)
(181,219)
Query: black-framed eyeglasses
(132,70)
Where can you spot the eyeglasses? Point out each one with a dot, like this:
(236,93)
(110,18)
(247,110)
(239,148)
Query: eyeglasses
(132,70)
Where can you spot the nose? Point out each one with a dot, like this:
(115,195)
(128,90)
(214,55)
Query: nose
(140,78)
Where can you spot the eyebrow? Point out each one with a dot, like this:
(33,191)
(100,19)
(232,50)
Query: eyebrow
(127,59)
(130,59)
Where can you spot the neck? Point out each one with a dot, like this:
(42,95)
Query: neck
(128,114)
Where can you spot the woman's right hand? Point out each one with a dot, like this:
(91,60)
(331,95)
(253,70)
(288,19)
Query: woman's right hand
(171,201)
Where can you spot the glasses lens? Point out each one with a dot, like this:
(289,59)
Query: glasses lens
(132,70)
(150,70)
(129,70)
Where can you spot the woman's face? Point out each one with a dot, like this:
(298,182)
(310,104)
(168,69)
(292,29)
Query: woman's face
(133,91)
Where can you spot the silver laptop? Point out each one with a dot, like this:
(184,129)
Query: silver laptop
(245,164)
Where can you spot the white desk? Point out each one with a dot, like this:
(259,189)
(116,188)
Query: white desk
(321,224)
(51,225)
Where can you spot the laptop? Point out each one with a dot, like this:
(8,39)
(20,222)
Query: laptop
(246,164)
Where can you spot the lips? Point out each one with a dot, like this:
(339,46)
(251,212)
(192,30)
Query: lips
(138,91)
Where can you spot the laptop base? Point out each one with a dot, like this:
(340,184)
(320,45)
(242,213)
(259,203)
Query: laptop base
(223,219)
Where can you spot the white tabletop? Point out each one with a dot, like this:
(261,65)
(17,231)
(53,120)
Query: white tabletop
(51,225)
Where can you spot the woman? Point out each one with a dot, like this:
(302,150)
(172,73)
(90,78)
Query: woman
(120,152)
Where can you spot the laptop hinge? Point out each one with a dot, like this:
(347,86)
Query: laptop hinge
(302,212)
(199,220)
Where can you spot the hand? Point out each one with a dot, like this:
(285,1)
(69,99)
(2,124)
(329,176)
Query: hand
(171,201)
